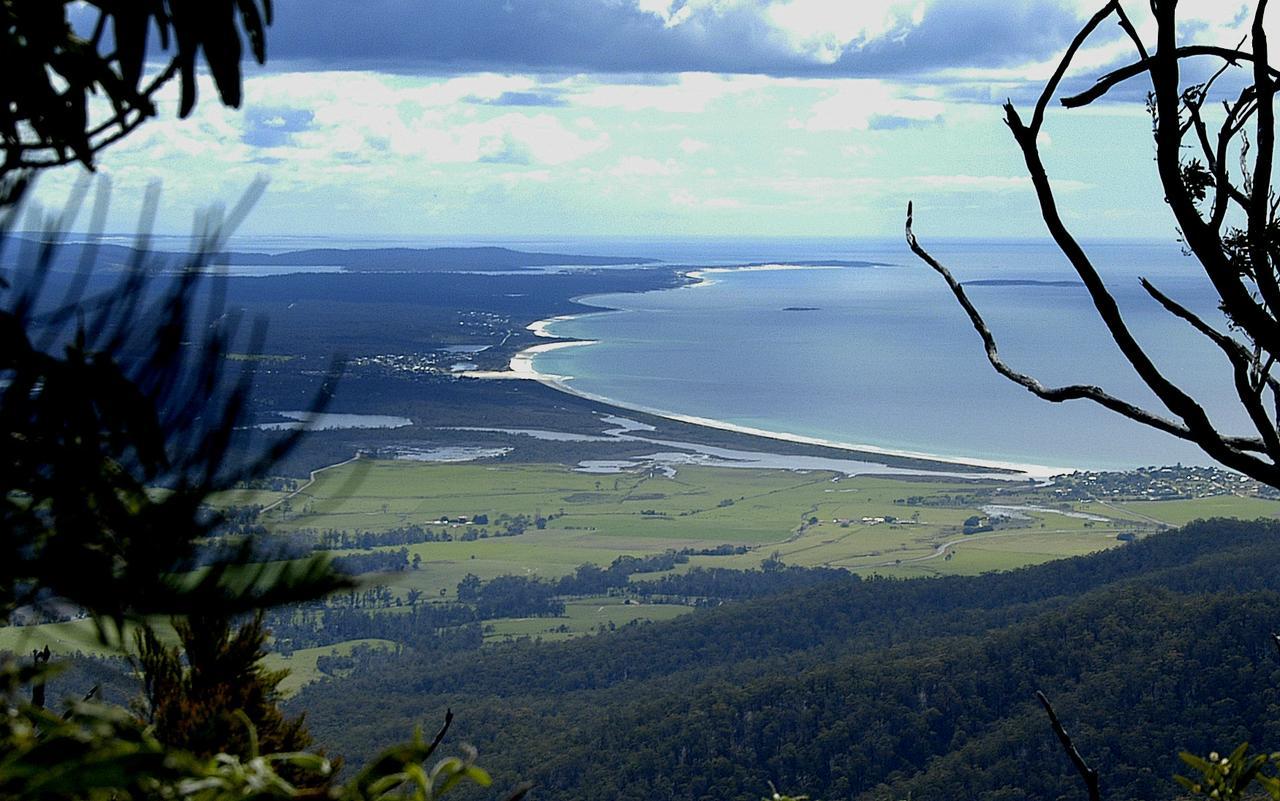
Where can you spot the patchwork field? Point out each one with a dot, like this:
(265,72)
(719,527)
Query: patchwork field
(567,518)
(807,518)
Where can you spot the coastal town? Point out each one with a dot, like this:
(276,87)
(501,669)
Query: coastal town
(1177,482)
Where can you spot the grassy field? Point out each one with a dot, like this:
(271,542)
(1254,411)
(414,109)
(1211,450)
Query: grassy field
(809,518)
(301,664)
(595,518)
(77,636)
(583,616)
(1177,513)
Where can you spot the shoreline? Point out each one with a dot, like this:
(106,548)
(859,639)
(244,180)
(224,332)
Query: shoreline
(702,275)
(521,368)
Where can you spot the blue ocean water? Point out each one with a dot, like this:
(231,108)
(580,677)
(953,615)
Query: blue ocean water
(885,356)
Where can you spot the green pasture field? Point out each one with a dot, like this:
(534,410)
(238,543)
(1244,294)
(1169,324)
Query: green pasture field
(582,616)
(594,518)
(301,664)
(246,497)
(1177,513)
(77,636)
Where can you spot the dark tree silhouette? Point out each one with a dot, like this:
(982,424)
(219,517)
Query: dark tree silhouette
(1217,181)
(1216,174)
(51,71)
(119,418)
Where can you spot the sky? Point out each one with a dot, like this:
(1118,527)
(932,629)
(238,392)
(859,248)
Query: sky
(528,119)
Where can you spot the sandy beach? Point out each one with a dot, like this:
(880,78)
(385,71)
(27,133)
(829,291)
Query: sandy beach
(704,276)
(521,367)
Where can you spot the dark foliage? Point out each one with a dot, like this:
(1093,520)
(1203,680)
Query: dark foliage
(193,693)
(877,689)
(104,399)
(52,70)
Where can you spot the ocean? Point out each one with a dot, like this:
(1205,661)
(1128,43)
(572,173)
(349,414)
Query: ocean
(884,356)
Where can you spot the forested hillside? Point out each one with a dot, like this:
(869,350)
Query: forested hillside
(873,689)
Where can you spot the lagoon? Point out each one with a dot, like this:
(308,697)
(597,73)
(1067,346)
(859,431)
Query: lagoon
(332,421)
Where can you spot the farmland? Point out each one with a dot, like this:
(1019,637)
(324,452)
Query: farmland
(806,518)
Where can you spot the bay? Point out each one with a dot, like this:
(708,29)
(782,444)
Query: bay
(884,355)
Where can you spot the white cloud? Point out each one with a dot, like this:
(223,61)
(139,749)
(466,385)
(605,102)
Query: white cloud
(858,104)
(639,166)
(820,30)
(823,30)
(691,146)
(686,199)
(690,93)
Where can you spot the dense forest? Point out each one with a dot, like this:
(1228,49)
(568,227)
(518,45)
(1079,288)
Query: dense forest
(874,689)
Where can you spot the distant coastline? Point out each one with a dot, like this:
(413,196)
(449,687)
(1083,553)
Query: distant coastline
(521,367)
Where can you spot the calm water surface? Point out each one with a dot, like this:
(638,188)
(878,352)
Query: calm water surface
(885,356)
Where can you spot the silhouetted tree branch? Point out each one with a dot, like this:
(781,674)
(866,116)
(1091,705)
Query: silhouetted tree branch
(119,417)
(1227,218)
(52,71)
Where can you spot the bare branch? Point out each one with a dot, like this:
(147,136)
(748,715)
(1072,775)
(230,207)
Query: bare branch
(1087,773)
(1235,452)
(1032,384)
(1260,215)
(1127,26)
(1200,236)
(1037,118)
(1241,362)
(439,738)
(1112,79)
(1195,421)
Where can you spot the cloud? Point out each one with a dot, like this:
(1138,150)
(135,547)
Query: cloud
(825,31)
(688,200)
(774,37)
(690,146)
(687,93)
(640,166)
(893,122)
(504,149)
(545,99)
(862,105)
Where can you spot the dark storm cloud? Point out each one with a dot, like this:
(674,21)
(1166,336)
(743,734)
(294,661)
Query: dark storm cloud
(975,33)
(569,36)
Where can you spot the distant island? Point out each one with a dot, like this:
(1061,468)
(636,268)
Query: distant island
(800,308)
